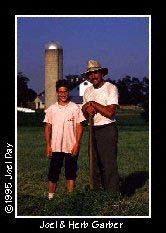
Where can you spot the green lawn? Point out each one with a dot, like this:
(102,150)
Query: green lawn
(133,162)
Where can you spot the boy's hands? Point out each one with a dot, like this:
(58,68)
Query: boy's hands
(48,151)
(75,149)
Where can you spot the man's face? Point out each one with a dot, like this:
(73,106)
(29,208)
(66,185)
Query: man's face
(96,78)
(63,94)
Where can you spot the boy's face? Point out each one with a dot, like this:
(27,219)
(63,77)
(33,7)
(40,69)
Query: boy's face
(63,94)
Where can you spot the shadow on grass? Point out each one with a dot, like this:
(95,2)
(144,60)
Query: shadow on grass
(132,182)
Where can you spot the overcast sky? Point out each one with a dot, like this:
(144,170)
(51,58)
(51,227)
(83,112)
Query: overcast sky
(119,43)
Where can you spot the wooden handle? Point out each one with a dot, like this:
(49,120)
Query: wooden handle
(91,150)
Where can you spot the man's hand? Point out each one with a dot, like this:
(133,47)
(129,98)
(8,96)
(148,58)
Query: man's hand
(48,151)
(89,109)
(75,149)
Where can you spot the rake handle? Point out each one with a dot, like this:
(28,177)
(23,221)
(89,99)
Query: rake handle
(91,150)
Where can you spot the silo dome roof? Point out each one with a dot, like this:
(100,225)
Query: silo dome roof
(53,45)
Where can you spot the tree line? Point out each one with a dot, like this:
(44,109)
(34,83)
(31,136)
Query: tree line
(132,91)
(24,93)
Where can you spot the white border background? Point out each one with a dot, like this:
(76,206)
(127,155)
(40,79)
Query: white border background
(98,16)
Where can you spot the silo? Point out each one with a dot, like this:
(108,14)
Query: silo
(53,71)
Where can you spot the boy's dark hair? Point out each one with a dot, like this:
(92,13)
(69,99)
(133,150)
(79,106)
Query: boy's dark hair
(62,83)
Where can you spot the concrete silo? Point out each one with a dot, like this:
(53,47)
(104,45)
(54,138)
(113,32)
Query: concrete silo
(53,71)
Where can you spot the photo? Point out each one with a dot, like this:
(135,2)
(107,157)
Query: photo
(83,116)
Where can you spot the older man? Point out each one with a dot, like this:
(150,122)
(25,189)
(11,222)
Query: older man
(101,101)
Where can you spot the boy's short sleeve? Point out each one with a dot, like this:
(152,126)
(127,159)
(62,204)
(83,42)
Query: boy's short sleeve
(48,116)
(79,115)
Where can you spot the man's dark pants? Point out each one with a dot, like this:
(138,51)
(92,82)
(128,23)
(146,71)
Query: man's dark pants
(105,169)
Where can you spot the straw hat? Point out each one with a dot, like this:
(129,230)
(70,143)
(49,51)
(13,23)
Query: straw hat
(93,65)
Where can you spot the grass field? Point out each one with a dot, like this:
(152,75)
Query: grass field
(133,163)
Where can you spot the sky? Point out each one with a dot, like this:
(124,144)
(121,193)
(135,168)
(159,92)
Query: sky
(120,44)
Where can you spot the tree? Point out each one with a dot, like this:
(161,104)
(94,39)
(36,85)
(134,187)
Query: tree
(136,91)
(24,94)
(74,80)
(145,102)
(31,95)
(124,86)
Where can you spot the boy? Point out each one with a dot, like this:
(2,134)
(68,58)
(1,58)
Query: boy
(63,132)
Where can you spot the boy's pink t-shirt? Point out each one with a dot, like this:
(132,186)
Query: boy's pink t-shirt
(63,120)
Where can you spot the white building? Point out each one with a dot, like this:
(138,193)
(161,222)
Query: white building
(80,89)
(40,102)
(76,94)
(83,86)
